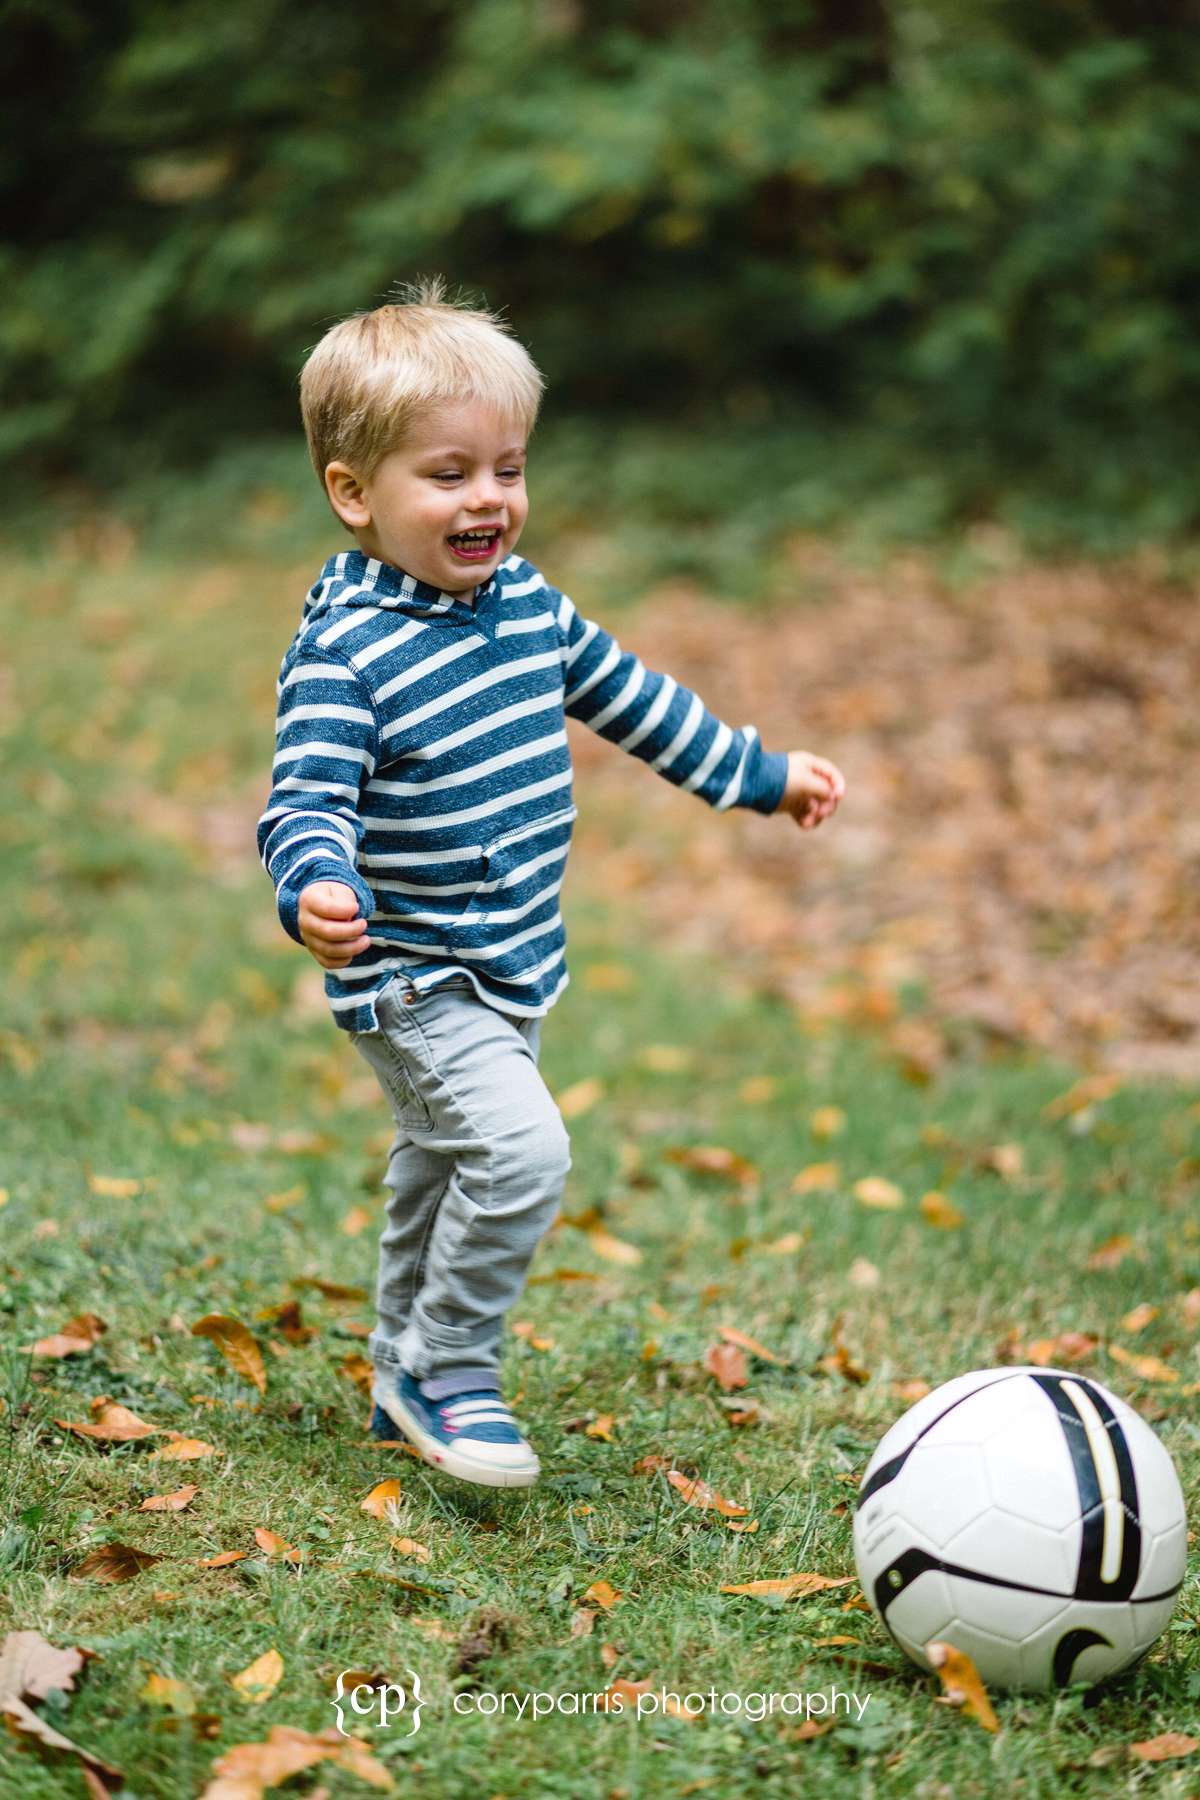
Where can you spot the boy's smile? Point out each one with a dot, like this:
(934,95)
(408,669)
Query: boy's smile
(446,507)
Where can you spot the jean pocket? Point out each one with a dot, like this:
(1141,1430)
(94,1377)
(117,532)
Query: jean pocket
(393,1065)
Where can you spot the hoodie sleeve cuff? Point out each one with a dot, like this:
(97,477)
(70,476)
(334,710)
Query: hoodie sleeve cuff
(770,781)
(288,897)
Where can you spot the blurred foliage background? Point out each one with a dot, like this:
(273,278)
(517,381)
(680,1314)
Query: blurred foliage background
(784,261)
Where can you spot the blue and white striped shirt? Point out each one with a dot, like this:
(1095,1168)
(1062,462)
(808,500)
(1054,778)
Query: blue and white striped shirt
(422,759)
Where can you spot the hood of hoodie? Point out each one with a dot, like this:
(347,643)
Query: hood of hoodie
(352,578)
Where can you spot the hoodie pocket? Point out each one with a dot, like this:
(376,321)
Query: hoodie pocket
(520,863)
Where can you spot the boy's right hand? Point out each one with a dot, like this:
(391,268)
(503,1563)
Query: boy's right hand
(331,924)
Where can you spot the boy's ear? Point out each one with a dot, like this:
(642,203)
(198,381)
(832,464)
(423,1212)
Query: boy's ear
(346,496)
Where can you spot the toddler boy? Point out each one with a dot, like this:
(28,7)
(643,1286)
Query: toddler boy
(418,828)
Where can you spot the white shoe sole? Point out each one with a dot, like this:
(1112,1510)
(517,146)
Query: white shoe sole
(454,1461)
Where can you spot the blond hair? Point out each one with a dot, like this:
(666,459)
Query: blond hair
(370,377)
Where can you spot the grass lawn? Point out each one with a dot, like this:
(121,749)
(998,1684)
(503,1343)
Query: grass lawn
(187,1134)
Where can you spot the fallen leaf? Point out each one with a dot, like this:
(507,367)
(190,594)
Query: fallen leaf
(170,1502)
(613,1249)
(80,1334)
(607,978)
(666,1059)
(863,1274)
(694,1492)
(163,1690)
(1085,1093)
(727,1362)
(911,1390)
(526,1329)
(356,1220)
(30,1669)
(115,1187)
(332,1290)
(1068,1346)
(961,1683)
(358,1369)
(1139,1317)
(713,1159)
(277,1203)
(583,1621)
(115,1562)
(602,1594)
(876,1190)
(1165,1748)
(237,1345)
(840,1362)
(580,1097)
(274,1545)
(222,1559)
(1150,1368)
(621,1696)
(1006,1160)
(110,1423)
(756,1090)
(601,1427)
(182,1449)
(827,1122)
(405,1546)
(1112,1252)
(817,1178)
(938,1211)
(247,1770)
(259,1679)
(732,1335)
(787,1245)
(788,1587)
(377,1502)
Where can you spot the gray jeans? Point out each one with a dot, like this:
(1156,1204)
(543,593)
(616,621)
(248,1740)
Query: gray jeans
(475,1175)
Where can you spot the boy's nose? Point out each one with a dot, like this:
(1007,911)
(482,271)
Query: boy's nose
(487,497)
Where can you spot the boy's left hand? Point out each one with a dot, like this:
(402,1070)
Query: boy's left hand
(814,787)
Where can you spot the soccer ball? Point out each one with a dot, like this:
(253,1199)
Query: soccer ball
(1027,1517)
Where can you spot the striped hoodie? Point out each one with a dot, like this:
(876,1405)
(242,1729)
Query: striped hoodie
(422,759)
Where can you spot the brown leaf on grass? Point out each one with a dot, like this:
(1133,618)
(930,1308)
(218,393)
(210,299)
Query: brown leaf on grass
(357,1220)
(258,1681)
(583,1621)
(562,1275)
(170,1502)
(384,1495)
(827,1122)
(111,1424)
(274,1545)
(911,1391)
(1005,1160)
(744,1411)
(164,1690)
(817,1178)
(1085,1093)
(732,1335)
(1112,1252)
(601,1426)
(787,1245)
(286,1319)
(879,1192)
(602,1594)
(788,1587)
(247,1770)
(487,1632)
(182,1449)
(78,1335)
(237,1345)
(727,1362)
(840,1362)
(961,1683)
(1068,1346)
(1139,1317)
(938,1211)
(115,1562)
(1165,1748)
(332,1290)
(650,1465)
(713,1159)
(694,1492)
(1149,1368)
(609,1654)
(406,1546)
(1190,1306)
(358,1369)
(621,1696)
(30,1669)
(580,1097)
(526,1329)
(222,1559)
(613,1249)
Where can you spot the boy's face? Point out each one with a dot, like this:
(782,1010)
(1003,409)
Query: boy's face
(449,505)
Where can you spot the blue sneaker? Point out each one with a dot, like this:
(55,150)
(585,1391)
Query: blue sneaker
(458,1422)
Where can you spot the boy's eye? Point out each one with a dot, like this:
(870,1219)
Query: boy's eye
(511,474)
(448,475)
